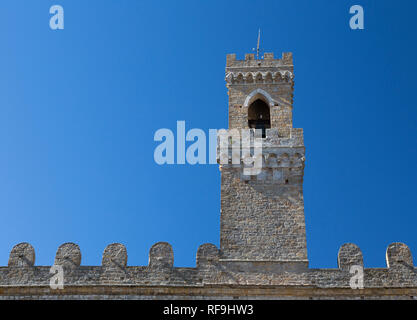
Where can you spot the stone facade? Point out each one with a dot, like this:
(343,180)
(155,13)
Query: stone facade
(263,251)
(262,216)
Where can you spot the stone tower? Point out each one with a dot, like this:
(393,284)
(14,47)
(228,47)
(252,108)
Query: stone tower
(262,216)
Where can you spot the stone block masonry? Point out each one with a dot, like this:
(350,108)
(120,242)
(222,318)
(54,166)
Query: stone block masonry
(211,278)
(262,217)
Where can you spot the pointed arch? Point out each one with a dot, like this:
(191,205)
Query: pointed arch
(259,94)
(259,77)
(268,77)
(240,78)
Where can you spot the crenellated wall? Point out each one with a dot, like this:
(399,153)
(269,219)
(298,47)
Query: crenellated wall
(211,278)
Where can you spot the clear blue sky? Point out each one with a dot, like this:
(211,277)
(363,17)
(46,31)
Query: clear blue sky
(79,108)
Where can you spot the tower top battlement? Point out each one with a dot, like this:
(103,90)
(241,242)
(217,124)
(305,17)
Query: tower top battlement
(267,61)
(253,71)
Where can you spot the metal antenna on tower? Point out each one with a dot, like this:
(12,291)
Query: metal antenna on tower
(258,49)
(257,46)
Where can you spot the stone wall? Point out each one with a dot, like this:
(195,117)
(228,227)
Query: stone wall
(274,76)
(212,278)
(262,216)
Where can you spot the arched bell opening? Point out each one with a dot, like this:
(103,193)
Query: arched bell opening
(259,116)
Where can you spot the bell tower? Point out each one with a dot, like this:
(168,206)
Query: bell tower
(262,216)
